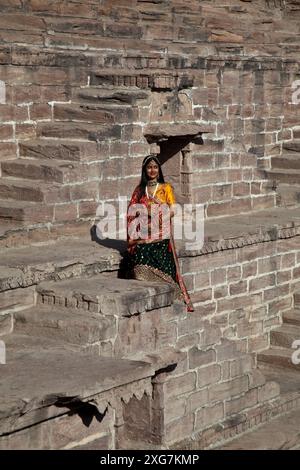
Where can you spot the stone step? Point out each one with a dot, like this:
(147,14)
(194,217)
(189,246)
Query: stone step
(292,317)
(120,112)
(121,96)
(284,176)
(127,444)
(9,226)
(288,379)
(293,146)
(288,161)
(49,171)
(47,149)
(289,383)
(41,373)
(285,336)
(281,433)
(6,323)
(297,299)
(296,134)
(68,325)
(24,190)
(112,79)
(82,113)
(99,294)
(78,131)
(287,194)
(15,299)
(62,149)
(57,259)
(278,357)
(26,211)
(16,233)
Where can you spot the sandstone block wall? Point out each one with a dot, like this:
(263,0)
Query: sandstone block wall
(245,290)
(98,85)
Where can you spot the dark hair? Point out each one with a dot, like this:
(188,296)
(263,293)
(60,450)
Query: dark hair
(144,177)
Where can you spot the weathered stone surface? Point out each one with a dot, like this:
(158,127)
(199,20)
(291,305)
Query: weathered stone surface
(25,190)
(198,358)
(292,317)
(77,130)
(99,294)
(64,325)
(297,299)
(52,170)
(83,378)
(144,333)
(99,443)
(15,298)
(285,336)
(290,176)
(181,385)
(163,132)
(21,22)
(179,429)
(6,324)
(226,350)
(287,195)
(248,400)
(9,275)
(27,266)
(268,391)
(289,161)
(209,375)
(278,356)
(7,150)
(228,389)
(209,415)
(281,433)
(82,113)
(62,150)
(113,97)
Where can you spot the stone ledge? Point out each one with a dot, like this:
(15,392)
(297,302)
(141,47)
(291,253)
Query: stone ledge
(225,233)
(241,424)
(159,133)
(62,375)
(74,56)
(99,294)
(14,234)
(74,257)
(69,325)
(22,267)
(279,434)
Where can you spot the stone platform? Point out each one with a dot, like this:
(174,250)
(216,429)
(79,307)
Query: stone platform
(279,434)
(44,383)
(199,374)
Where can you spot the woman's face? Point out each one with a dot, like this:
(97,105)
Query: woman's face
(152,170)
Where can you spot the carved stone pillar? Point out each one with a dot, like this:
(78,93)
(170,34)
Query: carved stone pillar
(186,173)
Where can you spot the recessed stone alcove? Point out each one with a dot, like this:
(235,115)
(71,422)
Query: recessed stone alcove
(176,143)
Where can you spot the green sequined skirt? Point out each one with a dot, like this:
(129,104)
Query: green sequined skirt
(155,261)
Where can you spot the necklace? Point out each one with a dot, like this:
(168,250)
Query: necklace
(152,195)
(151,183)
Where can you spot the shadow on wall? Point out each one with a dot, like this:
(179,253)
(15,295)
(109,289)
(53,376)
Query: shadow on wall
(119,245)
(125,269)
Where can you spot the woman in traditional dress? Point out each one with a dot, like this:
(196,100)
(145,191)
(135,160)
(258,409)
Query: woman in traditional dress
(151,248)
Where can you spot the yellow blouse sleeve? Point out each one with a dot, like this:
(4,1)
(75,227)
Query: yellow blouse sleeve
(170,198)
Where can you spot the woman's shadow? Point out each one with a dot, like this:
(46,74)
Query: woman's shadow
(125,267)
